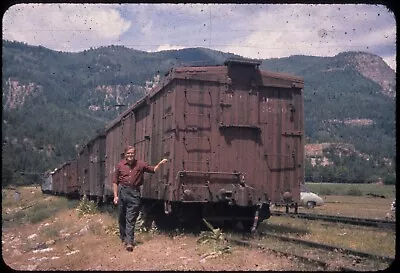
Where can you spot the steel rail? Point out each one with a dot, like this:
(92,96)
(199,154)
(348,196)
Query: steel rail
(305,259)
(331,247)
(340,219)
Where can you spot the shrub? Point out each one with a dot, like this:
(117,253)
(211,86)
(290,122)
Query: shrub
(354,192)
(390,179)
(39,216)
(13,219)
(86,206)
(215,239)
(112,229)
(72,204)
(326,191)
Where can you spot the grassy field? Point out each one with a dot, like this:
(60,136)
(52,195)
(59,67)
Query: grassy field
(33,207)
(356,206)
(388,191)
(28,205)
(351,206)
(352,200)
(372,240)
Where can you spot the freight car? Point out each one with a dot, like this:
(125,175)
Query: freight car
(62,180)
(91,168)
(233,135)
(47,184)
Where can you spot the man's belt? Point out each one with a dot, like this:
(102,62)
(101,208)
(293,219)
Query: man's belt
(136,188)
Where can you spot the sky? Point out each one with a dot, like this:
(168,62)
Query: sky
(261,31)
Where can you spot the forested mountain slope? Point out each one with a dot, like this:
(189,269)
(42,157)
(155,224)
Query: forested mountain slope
(53,102)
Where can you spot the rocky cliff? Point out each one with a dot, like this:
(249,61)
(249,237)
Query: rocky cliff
(374,68)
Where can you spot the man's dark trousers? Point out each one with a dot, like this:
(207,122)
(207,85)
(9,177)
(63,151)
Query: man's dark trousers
(128,211)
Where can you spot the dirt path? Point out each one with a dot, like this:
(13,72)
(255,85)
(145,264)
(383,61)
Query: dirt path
(72,243)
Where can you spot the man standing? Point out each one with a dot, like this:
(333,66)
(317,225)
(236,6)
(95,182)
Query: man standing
(128,178)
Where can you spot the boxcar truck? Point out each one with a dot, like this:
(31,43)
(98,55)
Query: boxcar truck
(233,135)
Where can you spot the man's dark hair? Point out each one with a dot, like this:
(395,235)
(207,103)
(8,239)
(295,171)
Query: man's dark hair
(129,148)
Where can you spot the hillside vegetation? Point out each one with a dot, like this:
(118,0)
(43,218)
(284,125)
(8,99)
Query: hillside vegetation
(54,102)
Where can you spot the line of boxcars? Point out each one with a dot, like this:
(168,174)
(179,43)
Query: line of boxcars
(233,135)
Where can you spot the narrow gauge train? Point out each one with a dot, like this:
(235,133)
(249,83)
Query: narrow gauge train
(233,135)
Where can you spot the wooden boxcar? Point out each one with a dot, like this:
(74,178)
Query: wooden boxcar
(83,162)
(64,180)
(91,168)
(70,178)
(96,149)
(233,135)
(47,184)
(132,128)
(57,181)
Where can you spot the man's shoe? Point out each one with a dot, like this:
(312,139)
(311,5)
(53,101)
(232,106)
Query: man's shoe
(129,247)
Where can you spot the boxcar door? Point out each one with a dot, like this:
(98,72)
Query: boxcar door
(143,141)
(195,138)
(283,137)
(241,137)
(167,137)
(197,122)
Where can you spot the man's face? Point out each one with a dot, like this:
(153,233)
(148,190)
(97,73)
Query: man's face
(130,155)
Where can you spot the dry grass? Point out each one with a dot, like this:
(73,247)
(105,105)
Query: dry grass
(381,242)
(356,206)
(28,195)
(86,207)
(50,232)
(212,243)
(351,206)
(389,191)
(34,207)
(366,239)
(31,207)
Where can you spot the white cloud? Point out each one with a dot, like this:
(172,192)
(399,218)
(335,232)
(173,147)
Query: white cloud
(327,30)
(391,61)
(63,26)
(168,47)
(252,30)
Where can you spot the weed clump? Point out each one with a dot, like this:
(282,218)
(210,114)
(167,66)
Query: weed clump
(144,224)
(112,229)
(215,239)
(354,192)
(39,213)
(86,207)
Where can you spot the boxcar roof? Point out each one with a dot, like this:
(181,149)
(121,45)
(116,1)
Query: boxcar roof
(118,119)
(245,61)
(218,73)
(61,167)
(90,142)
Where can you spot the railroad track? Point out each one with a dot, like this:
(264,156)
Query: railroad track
(340,219)
(317,254)
(330,247)
(302,258)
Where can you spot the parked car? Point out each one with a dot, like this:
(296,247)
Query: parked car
(391,215)
(393,206)
(309,199)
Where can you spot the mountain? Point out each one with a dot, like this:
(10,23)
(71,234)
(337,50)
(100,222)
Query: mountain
(54,102)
